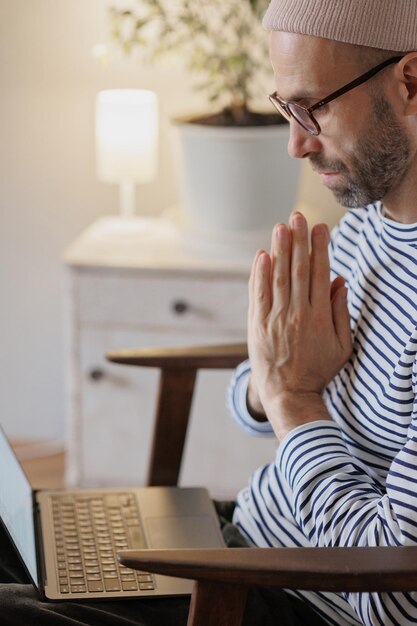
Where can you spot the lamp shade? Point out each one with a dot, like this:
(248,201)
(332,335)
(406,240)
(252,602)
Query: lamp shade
(126,135)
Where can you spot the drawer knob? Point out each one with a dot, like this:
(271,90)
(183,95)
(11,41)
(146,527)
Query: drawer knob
(96,374)
(180,307)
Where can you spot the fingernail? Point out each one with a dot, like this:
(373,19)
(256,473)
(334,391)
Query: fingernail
(319,230)
(281,231)
(298,220)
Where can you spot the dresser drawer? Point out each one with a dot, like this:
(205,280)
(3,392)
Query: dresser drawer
(177,303)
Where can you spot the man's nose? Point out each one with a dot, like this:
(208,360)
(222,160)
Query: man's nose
(301,143)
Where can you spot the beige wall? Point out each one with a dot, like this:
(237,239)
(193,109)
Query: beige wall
(48,191)
(317,202)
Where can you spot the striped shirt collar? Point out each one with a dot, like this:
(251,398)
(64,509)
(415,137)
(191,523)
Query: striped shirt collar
(397,231)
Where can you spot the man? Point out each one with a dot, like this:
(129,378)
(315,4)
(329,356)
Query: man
(333,369)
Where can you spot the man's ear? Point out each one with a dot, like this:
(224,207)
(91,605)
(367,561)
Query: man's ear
(407,72)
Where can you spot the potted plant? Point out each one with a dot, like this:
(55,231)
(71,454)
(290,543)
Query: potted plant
(236,177)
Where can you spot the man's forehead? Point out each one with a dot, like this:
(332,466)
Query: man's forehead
(308,62)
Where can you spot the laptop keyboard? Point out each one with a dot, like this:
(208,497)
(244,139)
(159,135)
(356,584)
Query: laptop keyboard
(89,531)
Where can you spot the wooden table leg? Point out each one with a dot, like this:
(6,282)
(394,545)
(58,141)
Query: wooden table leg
(215,604)
(174,404)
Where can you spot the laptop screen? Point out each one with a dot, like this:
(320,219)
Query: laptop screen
(16,510)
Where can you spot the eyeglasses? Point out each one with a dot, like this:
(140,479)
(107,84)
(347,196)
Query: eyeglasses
(304,115)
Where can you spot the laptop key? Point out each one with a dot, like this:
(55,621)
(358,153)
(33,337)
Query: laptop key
(94,585)
(135,536)
(109,568)
(112,585)
(145,578)
(77,578)
(78,589)
(129,586)
(64,589)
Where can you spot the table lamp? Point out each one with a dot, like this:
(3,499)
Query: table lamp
(126,141)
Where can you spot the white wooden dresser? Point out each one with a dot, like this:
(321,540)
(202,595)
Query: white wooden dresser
(147,289)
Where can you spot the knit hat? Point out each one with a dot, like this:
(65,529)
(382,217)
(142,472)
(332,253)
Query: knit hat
(386,24)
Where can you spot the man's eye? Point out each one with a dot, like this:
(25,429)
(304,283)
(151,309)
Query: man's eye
(310,102)
(306,102)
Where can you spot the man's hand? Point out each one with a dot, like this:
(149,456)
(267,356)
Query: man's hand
(298,326)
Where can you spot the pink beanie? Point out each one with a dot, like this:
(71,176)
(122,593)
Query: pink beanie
(386,24)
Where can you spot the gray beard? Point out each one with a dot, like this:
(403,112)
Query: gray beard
(379,164)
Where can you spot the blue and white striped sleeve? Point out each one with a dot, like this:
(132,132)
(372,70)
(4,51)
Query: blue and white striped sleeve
(337,503)
(237,403)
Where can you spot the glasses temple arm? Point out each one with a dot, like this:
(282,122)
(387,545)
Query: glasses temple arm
(355,83)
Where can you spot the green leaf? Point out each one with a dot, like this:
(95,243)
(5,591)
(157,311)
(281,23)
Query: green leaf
(139,24)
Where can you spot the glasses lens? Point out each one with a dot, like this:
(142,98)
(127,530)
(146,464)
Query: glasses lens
(304,118)
(299,113)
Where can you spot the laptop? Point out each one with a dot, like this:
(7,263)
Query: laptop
(68,539)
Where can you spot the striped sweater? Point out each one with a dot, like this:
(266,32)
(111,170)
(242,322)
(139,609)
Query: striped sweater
(351,481)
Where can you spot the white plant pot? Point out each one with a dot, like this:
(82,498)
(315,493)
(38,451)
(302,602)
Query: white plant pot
(235,183)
